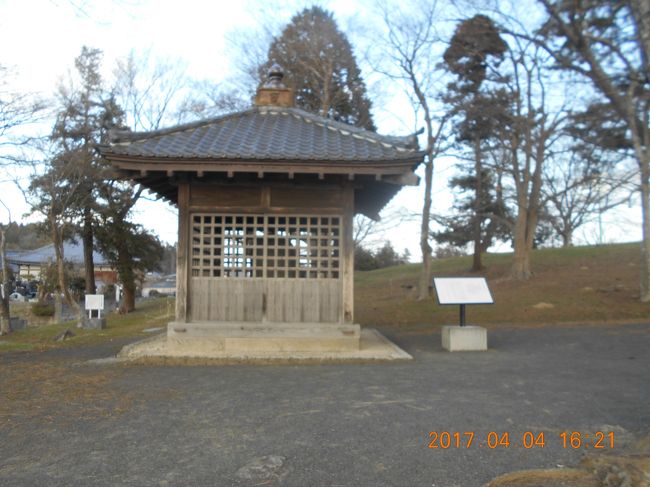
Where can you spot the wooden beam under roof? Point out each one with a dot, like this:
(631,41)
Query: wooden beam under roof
(325,167)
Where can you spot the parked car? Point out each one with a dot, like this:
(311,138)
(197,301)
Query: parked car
(17,297)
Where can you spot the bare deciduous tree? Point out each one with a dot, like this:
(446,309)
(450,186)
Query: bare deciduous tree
(608,43)
(371,232)
(578,189)
(52,193)
(149,89)
(207,99)
(5,314)
(16,111)
(409,56)
(534,128)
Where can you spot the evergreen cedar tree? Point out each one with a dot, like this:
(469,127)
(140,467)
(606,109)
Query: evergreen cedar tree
(321,68)
(475,45)
(86,114)
(459,228)
(473,42)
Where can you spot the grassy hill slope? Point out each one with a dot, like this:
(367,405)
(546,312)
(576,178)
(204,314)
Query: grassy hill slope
(575,285)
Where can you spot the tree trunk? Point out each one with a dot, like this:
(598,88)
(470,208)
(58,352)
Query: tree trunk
(5,316)
(63,281)
(645,244)
(424,287)
(4,287)
(57,307)
(128,299)
(524,241)
(57,240)
(641,13)
(127,279)
(521,262)
(477,265)
(41,294)
(567,238)
(88,244)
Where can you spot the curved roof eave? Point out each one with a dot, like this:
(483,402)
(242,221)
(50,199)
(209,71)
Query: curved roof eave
(264,134)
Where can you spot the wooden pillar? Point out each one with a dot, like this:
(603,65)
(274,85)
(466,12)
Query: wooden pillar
(347,262)
(183,253)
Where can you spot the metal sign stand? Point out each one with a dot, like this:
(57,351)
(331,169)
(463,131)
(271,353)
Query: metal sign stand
(94,305)
(463,291)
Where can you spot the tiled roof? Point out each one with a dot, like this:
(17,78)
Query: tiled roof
(72,252)
(266,133)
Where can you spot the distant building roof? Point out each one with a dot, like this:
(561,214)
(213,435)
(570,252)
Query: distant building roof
(72,252)
(10,254)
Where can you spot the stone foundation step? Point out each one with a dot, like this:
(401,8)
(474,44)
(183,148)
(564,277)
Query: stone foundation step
(258,337)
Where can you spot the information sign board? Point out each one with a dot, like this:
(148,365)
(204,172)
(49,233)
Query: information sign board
(462,290)
(94,302)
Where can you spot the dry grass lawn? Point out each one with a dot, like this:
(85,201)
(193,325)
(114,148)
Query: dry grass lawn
(597,284)
(39,336)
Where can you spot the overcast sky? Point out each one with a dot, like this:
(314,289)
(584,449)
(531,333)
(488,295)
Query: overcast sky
(41,38)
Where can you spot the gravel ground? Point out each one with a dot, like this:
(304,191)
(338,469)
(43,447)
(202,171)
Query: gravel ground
(324,425)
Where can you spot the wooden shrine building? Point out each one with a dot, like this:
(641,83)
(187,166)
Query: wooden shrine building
(266,199)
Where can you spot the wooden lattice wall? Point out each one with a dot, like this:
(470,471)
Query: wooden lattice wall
(271,246)
(264,253)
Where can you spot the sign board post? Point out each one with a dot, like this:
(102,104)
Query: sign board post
(94,303)
(462,291)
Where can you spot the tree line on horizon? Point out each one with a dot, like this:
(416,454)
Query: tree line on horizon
(548,122)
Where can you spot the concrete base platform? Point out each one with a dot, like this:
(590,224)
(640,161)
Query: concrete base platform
(244,337)
(373,347)
(93,323)
(17,324)
(464,338)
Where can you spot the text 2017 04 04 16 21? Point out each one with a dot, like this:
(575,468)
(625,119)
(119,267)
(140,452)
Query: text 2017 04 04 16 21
(528,440)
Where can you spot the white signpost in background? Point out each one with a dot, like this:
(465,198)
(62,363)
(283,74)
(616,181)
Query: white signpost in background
(94,304)
(462,291)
